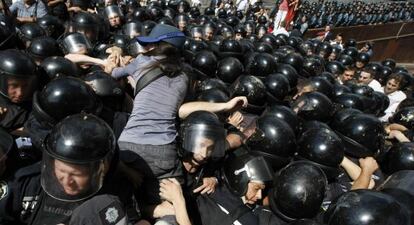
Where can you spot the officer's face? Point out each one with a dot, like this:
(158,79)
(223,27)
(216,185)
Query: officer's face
(208,34)
(202,151)
(114,20)
(19,90)
(197,36)
(364,78)
(73,178)
(254,192)
(359,65)
(392,86)
(238,37)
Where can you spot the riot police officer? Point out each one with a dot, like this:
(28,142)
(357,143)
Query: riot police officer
(18,81)
(77,164)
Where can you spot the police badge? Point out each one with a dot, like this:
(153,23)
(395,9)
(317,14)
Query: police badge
(111,215)
(3,189)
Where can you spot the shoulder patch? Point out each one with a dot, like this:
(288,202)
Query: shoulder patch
(4,189)
(112,214)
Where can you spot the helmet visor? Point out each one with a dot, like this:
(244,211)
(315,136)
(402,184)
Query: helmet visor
(71,182)
(76,43)
(256,169)
(204,140)
(18,88)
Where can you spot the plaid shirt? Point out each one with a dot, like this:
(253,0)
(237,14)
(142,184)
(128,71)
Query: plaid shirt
(37,9)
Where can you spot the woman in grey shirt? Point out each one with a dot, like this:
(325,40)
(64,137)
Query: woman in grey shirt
(147,143)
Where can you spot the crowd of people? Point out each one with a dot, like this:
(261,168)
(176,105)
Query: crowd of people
(318,14)
(124,112)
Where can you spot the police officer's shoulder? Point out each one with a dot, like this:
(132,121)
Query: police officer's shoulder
(28,171)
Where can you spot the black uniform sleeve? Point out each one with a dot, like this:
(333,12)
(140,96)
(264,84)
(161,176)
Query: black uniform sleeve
(19,195)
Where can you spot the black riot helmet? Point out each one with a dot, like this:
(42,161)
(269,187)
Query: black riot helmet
(62,97)
(400,186)
(166,20)
(212,83)
(295,60)
(362,134)
(312,66)
(87,24)
(329,77)
(213,95)
(15,65)
(170,13)
(351,51)
(29,31)
(350,43)
(341,115)
(349,100)
(274,139)
(204,64)
(277,85)
(229,68)
(405,117)
(251,87)
(56,66)
(8,38)
(202,133)
(384,74)
(298,191)
(76,43)
(155,13)
(381,103)
(323,148)
(399,157)
(140,14)
(321,85)
(209,11)
(314,106)
(261,64)
(52,25)
(389,62)
(305,222)
(43,47)
(346,60)
(290,73)
(264,47)
(230,48)
(193,48)
(239,170)
(112,11)
(147,27)
(286,114)
(340,89)
(363,57)
(366,207)
(324,50)
(232,21)
(335,67)
(107,88)
(81,141)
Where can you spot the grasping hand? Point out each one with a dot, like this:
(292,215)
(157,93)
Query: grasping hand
(209,186)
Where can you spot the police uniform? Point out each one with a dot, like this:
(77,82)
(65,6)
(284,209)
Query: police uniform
(16,114)
(223,207)
(23,200)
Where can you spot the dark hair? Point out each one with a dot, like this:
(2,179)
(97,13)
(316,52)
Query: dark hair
(370,71)
(171,64)
(398,78)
